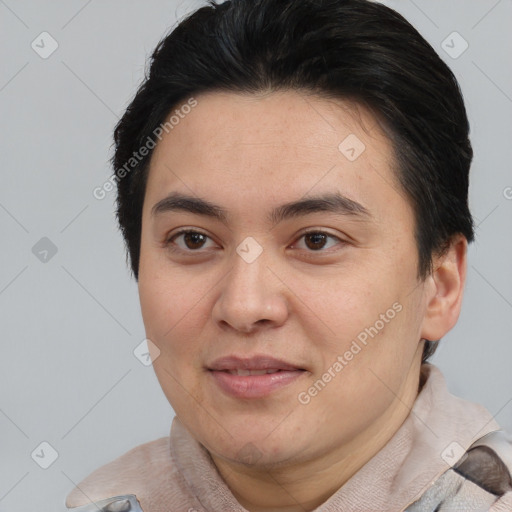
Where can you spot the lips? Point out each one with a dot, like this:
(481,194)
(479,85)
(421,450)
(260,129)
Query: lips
(254,363)
(254,377)
(243,371)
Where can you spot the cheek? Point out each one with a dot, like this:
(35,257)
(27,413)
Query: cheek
(379,355)
(171,310)
(370,318)
(171,307)
(343,306)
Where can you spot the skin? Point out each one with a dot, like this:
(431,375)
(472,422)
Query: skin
(296,302)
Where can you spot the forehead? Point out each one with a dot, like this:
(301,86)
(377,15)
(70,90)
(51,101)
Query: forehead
(284,144)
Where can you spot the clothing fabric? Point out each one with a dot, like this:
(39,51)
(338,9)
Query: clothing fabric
(448,455)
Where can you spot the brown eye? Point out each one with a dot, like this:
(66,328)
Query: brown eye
(318,241)
(194,240)
(187,241)
(315,241)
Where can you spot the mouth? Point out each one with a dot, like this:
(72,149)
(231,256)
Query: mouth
(243,371)
(254,377)
(256,363)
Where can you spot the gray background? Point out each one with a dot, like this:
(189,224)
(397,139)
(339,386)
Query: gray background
(69,325)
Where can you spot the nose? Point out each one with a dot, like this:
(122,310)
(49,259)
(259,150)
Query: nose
(252,297)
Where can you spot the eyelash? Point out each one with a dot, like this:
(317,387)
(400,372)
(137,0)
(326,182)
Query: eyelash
(169,242)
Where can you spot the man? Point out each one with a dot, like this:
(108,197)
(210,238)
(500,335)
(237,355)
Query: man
(292,189)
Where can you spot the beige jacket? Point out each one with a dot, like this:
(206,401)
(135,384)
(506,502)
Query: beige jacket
(412,472)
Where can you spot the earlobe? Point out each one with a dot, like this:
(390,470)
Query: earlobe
(444,295)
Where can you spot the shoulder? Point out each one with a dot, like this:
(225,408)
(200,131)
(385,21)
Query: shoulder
(488,463)
(480,480)
(146,471)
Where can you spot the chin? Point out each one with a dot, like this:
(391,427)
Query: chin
(258,447)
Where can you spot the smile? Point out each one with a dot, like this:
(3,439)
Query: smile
(256,376)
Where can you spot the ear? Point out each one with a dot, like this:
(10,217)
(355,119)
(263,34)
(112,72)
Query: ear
(444,289)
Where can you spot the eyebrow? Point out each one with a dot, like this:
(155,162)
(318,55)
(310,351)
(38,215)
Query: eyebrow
(329,202)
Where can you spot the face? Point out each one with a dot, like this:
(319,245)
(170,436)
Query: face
(298,262)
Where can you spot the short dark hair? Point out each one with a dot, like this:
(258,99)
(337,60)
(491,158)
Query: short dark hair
(356,50)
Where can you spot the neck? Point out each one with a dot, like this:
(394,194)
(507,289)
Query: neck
(305,486)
